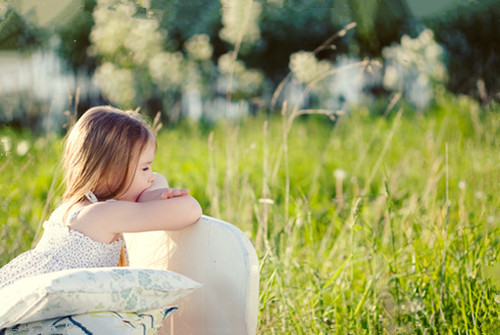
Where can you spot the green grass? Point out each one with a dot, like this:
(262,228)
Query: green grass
(406,243)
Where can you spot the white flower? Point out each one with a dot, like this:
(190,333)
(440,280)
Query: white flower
(198,47)
(117,84)
(144,40)
(110,30)
(413,65)
(240,20)
(391,78)
(306,67)
(166,69)
(6,144)
(245,80)
(339,174)
(227,65)
(22,148)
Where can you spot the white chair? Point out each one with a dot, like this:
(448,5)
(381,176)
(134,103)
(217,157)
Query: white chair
(216,254)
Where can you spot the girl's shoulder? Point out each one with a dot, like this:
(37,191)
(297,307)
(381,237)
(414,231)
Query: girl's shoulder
(64,212)
(87,218)
(58,214)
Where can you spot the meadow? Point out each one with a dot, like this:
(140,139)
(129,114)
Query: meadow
(365,224)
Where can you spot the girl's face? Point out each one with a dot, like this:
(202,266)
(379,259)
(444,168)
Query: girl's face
(143,176)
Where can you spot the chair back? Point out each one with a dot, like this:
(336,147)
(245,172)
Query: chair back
(216,254)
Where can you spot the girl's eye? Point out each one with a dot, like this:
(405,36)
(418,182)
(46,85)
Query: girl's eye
(145,169)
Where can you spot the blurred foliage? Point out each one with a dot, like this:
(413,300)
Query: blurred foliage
(16,32)
(149,53)
(239,18)
(414,67)
(74,39)
(306,67)
(141,64)
(286,29)
(471,34)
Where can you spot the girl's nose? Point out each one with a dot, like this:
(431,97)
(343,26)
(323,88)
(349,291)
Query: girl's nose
(152,178)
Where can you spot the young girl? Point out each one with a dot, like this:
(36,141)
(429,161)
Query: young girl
(110,190)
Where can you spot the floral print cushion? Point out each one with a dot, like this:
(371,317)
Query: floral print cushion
(82,291)
(109,323)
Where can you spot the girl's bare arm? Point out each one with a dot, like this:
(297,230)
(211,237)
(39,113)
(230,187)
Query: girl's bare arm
(162,208)
(103,221)
(160,191)
(169,214)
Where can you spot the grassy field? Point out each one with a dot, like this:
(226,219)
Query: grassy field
(365,225)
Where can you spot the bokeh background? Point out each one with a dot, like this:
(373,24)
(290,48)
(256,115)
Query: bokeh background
(207,59)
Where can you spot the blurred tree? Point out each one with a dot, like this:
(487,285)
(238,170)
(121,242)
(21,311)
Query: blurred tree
(154,65)
(364,14)
(184,19)
(131,55)
(16,33)
(290,27)
(391,23)
(74,38)
(471,35)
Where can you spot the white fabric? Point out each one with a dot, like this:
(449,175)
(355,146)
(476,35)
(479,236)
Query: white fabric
(61,248)
(91,197)
(109,323)
(82,291)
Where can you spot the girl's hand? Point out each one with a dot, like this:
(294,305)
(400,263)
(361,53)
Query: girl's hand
(162,194)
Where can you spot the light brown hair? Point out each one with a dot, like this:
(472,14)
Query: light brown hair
(101,153)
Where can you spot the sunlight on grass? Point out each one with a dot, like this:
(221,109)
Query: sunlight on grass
(363,225)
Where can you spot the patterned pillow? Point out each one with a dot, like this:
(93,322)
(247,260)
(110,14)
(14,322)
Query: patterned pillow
(81,291)
(109,323)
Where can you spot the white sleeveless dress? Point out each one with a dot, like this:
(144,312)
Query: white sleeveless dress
(61,248)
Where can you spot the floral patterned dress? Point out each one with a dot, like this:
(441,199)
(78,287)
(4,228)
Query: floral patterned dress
(61,248)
